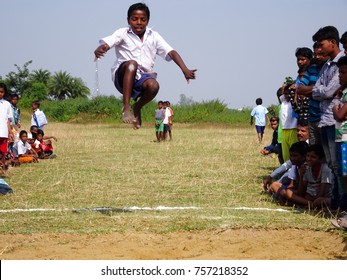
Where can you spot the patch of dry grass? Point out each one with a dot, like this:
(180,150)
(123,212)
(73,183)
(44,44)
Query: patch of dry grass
(215,168)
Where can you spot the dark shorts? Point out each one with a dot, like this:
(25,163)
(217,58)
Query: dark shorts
(259,129)
(166,128)
(137,87)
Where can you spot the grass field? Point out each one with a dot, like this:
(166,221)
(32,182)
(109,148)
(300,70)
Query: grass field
(213,172)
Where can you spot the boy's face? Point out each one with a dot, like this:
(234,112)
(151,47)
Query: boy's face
(34,106)
(160,105)
(320,58)
(343,75)
(302,133)
(2,93)
(274,124)
(302,61)
(296,158)
(312,159)
(14,100)
(138,22)
(326,47)
(24,138)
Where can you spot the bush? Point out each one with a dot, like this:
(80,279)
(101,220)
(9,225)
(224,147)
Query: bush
(109,108)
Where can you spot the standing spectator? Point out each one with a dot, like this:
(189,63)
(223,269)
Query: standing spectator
(288,121)
(340,114)
(170,119)
(166,119)
(6,134)
(159,118)
(304,88)
(15,110)
(38,117)
(260,113)
(301,103)
(344,41)
(324,90)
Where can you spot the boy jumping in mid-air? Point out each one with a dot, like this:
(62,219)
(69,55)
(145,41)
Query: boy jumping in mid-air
(136,47)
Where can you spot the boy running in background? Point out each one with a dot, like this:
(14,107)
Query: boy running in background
(260,113)
(136,48)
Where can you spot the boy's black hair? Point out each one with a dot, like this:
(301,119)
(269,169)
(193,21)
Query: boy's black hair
(305,52)
(327,33)
(22,132)
(160,102)
(259,101)
(343,39)
(40,131)
(3,85)
(342,61)
(37,103)
(14,95)
(302,122)
(317,149)
(33,126)
(299,147)
(273,119)
(138,6)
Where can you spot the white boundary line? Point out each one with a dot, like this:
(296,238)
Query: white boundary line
(135,208)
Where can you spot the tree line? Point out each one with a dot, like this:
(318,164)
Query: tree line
(43,85)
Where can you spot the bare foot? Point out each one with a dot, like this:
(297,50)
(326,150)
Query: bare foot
(138,120)
(128,117)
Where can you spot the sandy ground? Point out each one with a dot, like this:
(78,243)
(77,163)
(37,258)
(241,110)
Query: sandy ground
(238,244)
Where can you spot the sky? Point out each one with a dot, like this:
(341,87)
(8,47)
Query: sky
(242,49)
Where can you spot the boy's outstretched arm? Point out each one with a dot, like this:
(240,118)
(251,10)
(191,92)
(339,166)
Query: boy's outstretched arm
(188,74)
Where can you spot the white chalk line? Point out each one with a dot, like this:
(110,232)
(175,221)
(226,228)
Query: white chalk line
(136,208)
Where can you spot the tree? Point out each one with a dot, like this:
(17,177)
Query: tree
(19,82)
(62,86)
(185,101)
(40,76)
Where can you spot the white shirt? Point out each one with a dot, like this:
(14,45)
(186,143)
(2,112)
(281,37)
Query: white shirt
(5,114)
(128,46)
(41,119)
(167,115)
(286,115)
(20,148)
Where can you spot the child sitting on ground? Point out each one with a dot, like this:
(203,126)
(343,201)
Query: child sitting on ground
(297,154)
(315,191)
(23,151)
(274,147)
(45,144)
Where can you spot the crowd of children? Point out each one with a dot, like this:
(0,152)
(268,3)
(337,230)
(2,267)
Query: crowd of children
(314,171)
(17,146)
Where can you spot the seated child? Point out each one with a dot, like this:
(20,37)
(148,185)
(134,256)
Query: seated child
(23,151)
(297,154)
(274,147)
(45,145)
(316,188)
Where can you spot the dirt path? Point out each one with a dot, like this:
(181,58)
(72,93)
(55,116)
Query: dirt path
(216,245)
